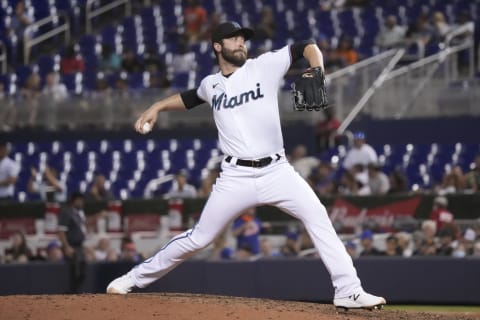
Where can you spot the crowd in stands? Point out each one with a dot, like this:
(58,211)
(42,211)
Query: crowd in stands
(425,33)
(361,174)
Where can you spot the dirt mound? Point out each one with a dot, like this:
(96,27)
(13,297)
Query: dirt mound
(187,306)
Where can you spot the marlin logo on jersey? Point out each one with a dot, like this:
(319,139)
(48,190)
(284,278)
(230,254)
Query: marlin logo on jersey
(236,101)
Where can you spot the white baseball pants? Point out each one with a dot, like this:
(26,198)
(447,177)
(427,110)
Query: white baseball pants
(239,188)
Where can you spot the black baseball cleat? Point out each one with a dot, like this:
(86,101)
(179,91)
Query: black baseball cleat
(360,300)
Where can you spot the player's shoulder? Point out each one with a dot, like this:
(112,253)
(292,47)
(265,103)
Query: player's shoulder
(271,53)
(208,80)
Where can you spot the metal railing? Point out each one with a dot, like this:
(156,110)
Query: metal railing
(354,68)
(429,76)
(91,13)
(30,41)
(3,57)
(378,82)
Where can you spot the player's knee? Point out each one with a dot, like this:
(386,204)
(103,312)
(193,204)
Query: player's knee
(200,241)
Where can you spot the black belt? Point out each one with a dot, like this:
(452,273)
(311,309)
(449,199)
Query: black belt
(258,163)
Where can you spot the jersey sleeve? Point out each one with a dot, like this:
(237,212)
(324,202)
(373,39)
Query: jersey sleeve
(202,90)
(14,169)
(276,63)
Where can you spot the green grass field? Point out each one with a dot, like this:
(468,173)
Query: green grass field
(423,308)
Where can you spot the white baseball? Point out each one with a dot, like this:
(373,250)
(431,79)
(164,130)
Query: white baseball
(146,127)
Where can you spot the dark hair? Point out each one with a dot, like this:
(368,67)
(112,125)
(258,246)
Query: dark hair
(75,195)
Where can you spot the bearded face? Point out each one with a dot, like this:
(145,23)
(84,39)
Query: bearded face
(237,57)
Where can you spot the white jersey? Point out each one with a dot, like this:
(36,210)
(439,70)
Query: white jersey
(363,155)
(8,169)
(245,105)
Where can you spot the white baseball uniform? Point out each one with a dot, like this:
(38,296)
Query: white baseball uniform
(245,108)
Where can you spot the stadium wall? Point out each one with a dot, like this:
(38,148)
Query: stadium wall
(434,280)
(464,206)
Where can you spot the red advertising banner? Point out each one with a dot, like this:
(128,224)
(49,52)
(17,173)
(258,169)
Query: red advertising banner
(351,217)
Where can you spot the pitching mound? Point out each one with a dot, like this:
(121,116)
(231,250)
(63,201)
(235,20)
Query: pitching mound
(183,306)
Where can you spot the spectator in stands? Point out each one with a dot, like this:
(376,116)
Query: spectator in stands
(391,246)
(361,153)
(440,27)
(31,88)
(322,179)
(391,35)
(129,251)
(452,182)
(398,182)
(18,252)
(466,243)
(54,90)
(155,65)
(351,248)
(476,249)
(71,62)
(195,18)
(54,252)
(16,30)
(302,163)
(104,251)
(9,111)
(426,248)
(9,170)
(130,62)
(440,213)
(403,239)
(368,249)
(246,229)
(181,189)
(266,249)
(326,131)
(98,191)
(446,237)
(473,176)
(184,60)
(419,33)
(429,230)
(266,28)
(47,185)
(290,248)
(110,61)
(30,94)
(72,230)
(377,180)
(355,183)
(345,53)
(244,253)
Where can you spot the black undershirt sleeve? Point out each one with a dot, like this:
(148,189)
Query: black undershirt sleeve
(191,99)
(296,49)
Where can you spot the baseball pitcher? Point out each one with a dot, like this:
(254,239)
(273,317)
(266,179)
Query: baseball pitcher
(244,103)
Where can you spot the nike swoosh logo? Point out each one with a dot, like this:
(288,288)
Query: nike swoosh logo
(216,84)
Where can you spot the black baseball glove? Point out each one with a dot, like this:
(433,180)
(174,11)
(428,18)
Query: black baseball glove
(310,92)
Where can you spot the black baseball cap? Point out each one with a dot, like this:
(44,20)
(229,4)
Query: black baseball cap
(229,29)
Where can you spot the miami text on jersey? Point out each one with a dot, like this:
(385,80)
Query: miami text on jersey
(236,100)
